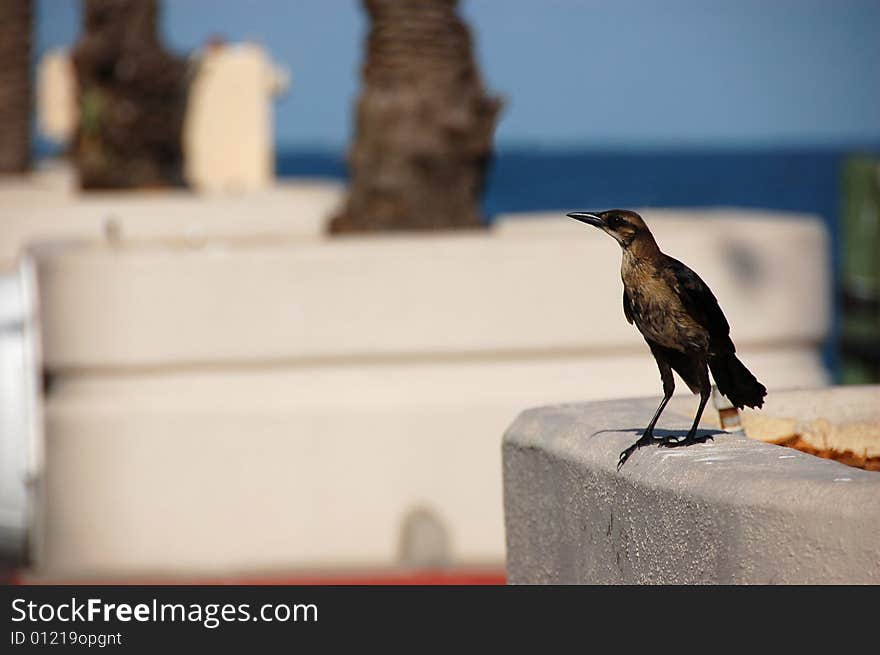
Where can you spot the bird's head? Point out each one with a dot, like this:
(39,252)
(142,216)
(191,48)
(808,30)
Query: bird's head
(624,225)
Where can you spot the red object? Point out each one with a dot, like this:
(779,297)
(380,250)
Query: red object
(439,577)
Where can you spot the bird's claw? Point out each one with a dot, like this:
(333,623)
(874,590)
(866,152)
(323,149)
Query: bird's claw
(625,456)
(688,440)
(666,442)
(646,438)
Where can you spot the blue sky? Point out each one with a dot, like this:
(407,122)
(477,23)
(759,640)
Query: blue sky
(582,73)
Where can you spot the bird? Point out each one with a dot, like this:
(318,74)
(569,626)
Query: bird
(681,321)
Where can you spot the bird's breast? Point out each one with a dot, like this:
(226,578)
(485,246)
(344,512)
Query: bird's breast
(660,316)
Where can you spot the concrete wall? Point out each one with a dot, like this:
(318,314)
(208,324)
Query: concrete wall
(730,511)
(415,296)
(46,207)
(307,466)
(290,403)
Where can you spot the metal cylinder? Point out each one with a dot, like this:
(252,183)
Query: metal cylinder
(21,425)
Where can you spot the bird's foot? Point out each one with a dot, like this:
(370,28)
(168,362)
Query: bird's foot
(688,440)
(644,440)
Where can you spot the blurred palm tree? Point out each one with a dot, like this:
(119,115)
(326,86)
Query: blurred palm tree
(15,85)
(132,96)
(423,135)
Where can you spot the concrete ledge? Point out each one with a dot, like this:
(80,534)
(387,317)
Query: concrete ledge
(292,210)
(158,304)
(732,511)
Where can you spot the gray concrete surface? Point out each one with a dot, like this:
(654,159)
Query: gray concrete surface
(730,511)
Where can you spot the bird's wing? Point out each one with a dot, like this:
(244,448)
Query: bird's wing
(627,310)
(698,299)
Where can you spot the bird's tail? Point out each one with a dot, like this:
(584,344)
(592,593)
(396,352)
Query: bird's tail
(736,382)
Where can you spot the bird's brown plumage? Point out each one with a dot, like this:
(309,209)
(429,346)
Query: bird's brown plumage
(678,316)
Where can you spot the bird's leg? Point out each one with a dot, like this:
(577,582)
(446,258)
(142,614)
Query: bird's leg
(691,437)
(648,435)
(650,429)
(704,397)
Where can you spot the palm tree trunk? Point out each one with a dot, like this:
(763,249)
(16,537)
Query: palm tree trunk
(423,136)
(15,85)
(132,95)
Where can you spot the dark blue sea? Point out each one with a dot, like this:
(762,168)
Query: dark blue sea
(802,180)
(798,180)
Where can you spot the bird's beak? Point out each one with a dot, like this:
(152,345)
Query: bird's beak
(587,217)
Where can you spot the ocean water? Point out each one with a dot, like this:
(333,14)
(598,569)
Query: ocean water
(806,180)
(801,180)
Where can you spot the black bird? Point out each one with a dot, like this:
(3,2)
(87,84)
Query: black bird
(679,317)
